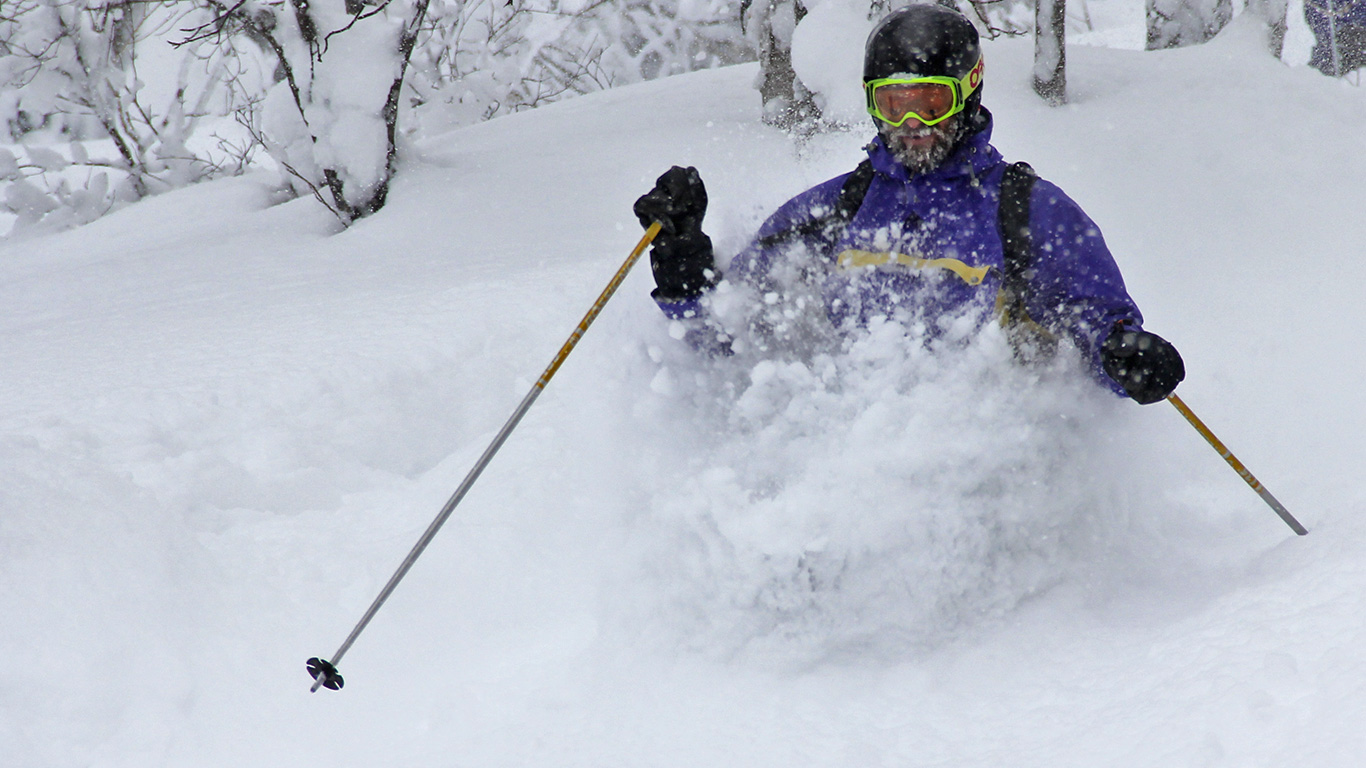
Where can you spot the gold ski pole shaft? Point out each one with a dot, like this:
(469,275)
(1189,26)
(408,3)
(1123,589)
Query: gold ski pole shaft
(1237,465)
(324,671)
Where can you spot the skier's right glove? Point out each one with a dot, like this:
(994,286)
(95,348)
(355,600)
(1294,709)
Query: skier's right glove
(1145,364)
(681,257)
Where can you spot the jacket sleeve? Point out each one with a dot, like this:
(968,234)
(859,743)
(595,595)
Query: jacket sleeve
(1076,287)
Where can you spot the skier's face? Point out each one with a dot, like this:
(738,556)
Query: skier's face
(919,147)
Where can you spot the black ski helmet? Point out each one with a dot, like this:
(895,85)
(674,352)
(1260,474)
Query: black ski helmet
(924,41)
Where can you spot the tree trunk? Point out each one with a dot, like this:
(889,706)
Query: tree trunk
(1272,13)
(1050,51)
(787,103)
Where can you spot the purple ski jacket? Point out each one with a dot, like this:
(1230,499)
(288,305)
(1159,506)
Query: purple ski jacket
(931,244)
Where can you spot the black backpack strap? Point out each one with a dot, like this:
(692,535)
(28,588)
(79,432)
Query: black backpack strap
(854,190)
(1013,220)
(830,226)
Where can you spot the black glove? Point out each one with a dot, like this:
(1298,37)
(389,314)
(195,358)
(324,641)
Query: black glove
(1145,364)
(681,257)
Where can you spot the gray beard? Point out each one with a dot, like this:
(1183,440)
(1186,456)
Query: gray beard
(918,161)
(925,160)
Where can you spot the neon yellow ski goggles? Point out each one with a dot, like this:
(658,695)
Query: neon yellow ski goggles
(930,100)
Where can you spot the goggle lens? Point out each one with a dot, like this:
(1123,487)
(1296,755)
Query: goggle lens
(929,103)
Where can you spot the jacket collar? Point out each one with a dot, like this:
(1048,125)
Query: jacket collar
(974,157)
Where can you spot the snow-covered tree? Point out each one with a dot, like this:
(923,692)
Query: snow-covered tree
(1176,23)
(331,119)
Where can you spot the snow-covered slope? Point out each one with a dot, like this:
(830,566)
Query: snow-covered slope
(225,423)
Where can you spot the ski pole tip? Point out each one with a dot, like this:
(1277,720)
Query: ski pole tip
(324,675)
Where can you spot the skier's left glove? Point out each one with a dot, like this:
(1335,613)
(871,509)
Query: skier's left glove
(682,255)
(1145,364)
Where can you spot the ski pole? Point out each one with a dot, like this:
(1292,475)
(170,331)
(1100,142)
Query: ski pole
(324,671)
(1237,465)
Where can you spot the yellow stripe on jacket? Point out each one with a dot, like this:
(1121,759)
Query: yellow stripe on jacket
(851,259)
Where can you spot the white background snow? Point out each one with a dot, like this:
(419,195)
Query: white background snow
(223,424)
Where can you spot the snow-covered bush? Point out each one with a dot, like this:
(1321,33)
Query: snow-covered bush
(477,59)
(118,86)
(1175,23)
(482,58)
(657,38)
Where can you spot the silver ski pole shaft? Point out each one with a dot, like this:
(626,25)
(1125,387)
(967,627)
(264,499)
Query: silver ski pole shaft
(1238,467)
(324,671)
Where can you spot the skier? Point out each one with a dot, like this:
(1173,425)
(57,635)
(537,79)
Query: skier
(933,221)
